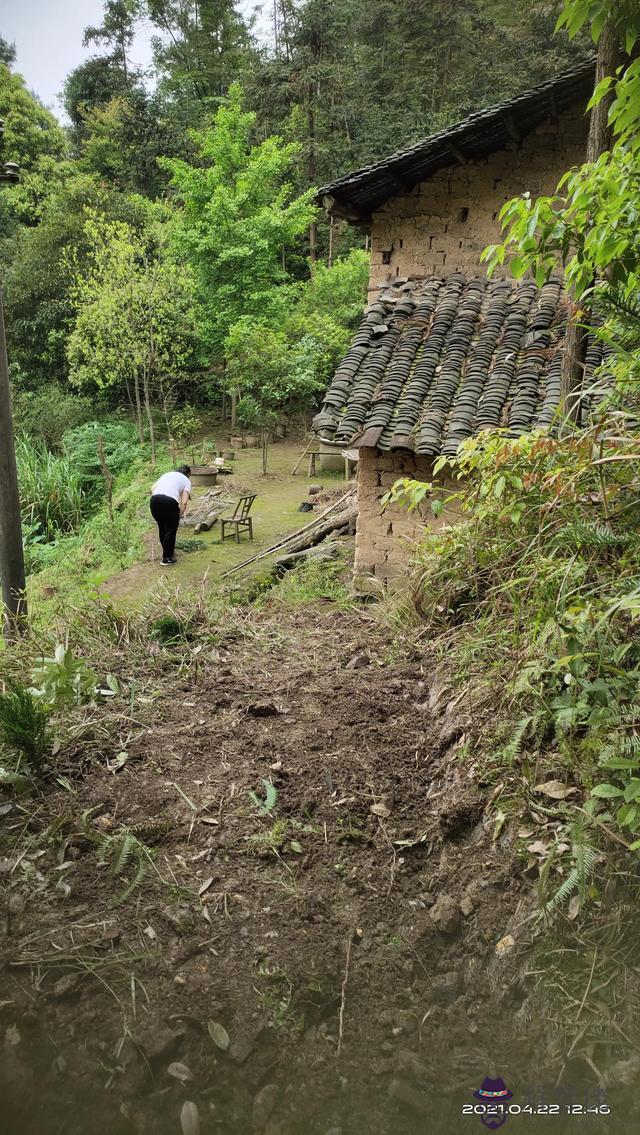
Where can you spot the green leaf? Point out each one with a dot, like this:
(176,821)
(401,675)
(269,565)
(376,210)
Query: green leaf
(606,791)
(271,795)
(632,789)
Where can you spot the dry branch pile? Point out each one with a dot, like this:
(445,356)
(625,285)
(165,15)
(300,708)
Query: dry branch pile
(339,515)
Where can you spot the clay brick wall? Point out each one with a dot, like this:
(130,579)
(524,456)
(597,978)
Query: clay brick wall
(443,224)
(385,539)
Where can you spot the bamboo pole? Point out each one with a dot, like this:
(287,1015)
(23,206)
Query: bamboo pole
(335,507)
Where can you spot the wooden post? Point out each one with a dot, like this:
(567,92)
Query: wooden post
(11,550)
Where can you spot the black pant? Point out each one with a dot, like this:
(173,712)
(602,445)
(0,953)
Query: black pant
(166,513)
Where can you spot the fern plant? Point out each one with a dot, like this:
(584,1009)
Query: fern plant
(527,728)
(591,534)
(125,856)
(584,856)
(24,725)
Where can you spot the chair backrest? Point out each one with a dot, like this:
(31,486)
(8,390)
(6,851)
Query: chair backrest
(243,507)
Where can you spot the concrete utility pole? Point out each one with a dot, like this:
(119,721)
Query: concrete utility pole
(12,570)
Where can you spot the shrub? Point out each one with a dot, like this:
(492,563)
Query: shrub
(63,680)
(122,450)
(48,413)
(50,491)
(184,424)
(24,725)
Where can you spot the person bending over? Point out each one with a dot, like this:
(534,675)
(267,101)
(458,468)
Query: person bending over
(169,500)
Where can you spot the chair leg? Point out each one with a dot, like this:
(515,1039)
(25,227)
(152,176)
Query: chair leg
(237,533)
(250,529)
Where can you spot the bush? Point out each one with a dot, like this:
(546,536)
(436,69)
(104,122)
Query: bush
(24,725)
(184,424)
(50,491)
(63,680)
(122,450)
(48,413)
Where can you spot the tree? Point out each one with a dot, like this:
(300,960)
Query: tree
(31,132)
(135,324)
(116,31)
(39,276)
(7,52)
(238,212)
(591,222)
(92,84)
(202,46)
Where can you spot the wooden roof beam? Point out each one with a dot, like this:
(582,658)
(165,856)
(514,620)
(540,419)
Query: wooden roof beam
(344,210)
(512,129)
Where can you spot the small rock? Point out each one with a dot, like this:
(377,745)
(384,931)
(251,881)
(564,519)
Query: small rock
(505,946)
(405,1020)
(466,906)
(445,915)
(163,1045)
(263,1106)
(263,709)
(67,986)
(314,489)
(357,662)
(16,904)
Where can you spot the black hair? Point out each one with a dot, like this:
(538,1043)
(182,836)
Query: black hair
(186,469)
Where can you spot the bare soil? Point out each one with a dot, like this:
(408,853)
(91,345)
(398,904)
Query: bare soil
(346,941)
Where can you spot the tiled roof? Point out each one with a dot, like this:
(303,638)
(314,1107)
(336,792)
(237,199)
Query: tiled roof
(436,361)
(357,195)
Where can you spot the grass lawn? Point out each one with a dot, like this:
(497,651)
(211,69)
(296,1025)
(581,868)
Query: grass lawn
(275,513)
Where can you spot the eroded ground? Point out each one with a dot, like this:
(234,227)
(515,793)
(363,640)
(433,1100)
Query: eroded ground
(343,944)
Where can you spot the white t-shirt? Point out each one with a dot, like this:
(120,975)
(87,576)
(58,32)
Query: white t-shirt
(172,485)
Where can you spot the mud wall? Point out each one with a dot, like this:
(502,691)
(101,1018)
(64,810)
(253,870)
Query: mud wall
(385,538)
(443,224)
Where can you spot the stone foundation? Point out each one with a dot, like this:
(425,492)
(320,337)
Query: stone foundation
(386,538)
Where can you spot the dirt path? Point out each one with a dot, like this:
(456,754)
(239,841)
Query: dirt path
(345,941)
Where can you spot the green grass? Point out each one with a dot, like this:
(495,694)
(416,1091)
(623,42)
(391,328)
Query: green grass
(120,560)
(275,514)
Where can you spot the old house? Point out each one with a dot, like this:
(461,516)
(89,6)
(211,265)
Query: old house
(443,352)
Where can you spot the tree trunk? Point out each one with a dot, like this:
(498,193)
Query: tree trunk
(330,252)
(136,390)
(11,550)
(265,450)
(147,406)
(599,140)
(130,399)
(234,408)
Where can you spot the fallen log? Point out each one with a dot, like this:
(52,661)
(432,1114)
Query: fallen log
(338,514)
